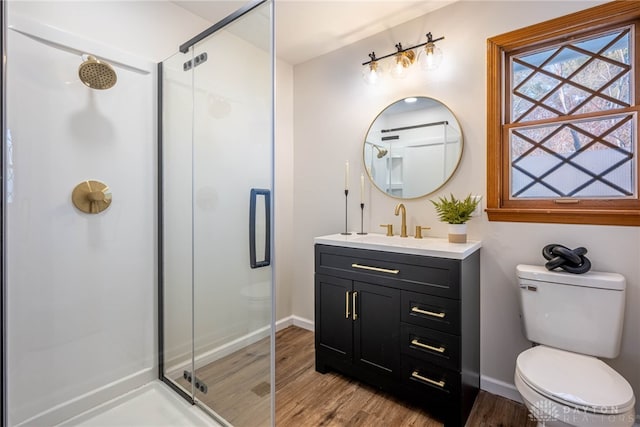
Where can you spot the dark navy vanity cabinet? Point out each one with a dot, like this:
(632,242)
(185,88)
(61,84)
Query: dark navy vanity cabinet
(408,324)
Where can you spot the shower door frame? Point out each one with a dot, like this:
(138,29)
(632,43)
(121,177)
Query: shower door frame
(3,281)
(184,48)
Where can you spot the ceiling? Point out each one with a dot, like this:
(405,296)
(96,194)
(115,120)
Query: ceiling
(306,29)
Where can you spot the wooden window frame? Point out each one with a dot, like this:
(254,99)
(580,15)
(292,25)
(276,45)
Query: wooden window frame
(601,212)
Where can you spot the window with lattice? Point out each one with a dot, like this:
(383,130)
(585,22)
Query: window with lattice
(567,138)
(563,124)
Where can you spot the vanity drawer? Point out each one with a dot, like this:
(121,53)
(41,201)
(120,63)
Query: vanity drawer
(432,346)
(422,377)
(436,276)
(442,314)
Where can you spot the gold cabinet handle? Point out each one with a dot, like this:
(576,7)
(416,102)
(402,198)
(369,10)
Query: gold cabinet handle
(353,304)
(346,305)
(417,375)
(427,346)
(428,313)
(378,269)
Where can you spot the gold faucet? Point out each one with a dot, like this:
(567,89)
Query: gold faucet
(403,226)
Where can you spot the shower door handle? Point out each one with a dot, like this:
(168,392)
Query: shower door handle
(265,205)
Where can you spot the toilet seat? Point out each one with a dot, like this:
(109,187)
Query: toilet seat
(575,380)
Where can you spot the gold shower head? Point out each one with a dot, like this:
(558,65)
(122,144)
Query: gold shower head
(97,74)
(381,151)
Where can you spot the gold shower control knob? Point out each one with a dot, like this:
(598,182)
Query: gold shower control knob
(91,197)
(96,196)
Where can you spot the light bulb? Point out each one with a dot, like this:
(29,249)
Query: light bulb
(398,70)
(371,73)
(403,61)
(431,57)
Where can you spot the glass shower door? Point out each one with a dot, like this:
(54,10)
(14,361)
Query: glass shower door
(232,160)
(217,204)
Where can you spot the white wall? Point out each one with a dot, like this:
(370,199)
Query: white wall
(283,191)
(333,110)
(82,288)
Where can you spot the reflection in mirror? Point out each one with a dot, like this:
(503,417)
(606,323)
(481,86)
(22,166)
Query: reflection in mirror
(412,147)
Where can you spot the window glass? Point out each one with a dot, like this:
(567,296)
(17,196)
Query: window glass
(566,156)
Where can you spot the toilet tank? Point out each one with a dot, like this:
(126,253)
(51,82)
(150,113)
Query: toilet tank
(583,313)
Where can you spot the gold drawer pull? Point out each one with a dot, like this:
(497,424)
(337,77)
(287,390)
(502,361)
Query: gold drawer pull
(428,313)
(378,269)
(346,305)
(427,346)
(353,305)
(440,383)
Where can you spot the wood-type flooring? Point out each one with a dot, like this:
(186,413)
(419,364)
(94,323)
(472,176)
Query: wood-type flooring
(239,392)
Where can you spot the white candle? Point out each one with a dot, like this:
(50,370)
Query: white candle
(361,188)
(346,175)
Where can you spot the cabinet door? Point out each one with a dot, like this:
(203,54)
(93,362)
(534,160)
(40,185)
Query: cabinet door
(376,327)
(334,325)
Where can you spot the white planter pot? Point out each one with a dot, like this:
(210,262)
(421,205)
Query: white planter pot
(458,233)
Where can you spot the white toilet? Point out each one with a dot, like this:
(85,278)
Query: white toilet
(574,318)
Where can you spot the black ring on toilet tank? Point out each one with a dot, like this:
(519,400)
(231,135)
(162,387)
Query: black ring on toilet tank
(570,260)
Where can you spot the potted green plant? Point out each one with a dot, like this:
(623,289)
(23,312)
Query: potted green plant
(456,212)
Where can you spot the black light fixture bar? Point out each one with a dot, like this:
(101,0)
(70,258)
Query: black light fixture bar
(430,39)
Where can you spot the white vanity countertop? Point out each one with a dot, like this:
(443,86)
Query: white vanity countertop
(428,246)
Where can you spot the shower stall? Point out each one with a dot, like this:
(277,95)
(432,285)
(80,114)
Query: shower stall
(136,220)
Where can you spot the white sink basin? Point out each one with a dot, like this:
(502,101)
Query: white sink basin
(429,246)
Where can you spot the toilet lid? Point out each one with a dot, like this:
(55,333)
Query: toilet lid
(576,380)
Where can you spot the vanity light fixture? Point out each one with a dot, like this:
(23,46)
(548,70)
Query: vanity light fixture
(371,72)
(429,58)
(432,56)
(404,59)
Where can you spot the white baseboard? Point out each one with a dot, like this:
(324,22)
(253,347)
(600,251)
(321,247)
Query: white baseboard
(303,323)
(293,320)
(500,388)
(284,323)
(87,401)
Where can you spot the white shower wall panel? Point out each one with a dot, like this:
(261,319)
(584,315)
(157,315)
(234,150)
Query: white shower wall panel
(81,288)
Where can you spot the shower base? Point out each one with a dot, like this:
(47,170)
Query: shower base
(153,405)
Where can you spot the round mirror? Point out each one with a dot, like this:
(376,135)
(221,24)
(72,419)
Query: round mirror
(412,147)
